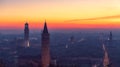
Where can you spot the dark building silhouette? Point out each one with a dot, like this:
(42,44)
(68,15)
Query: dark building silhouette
(72,39)
(26,35)
(2,64)
(110,36)
(110,65)
(45,51)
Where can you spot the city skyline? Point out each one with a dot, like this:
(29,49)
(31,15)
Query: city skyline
(59,33)
(63,14)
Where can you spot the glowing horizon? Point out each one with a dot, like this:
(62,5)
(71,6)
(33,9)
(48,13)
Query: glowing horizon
(60,14)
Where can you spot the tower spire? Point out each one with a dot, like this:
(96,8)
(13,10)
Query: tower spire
(45,30)
(45,49)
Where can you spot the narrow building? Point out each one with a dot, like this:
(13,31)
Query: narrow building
(110,36)
(26,35)
(45,50)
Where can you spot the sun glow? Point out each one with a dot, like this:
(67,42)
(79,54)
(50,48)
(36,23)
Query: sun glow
(60,14)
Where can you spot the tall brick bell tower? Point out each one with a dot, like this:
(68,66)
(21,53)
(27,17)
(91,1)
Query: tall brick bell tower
(45,50)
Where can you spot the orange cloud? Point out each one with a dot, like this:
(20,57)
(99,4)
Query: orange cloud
(97,18)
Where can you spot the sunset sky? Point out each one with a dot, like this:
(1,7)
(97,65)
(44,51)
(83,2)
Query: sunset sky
(60,14)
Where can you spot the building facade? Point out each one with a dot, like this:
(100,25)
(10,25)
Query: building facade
(45,50)
(26,35)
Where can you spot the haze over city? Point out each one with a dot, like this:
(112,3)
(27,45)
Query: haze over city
(59,33)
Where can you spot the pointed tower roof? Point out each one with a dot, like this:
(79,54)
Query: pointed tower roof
(45,30)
